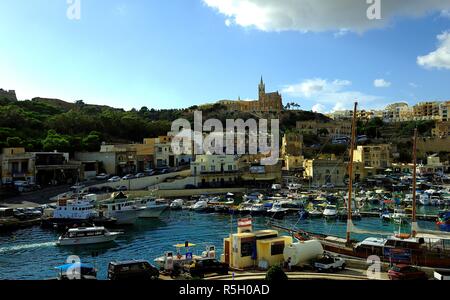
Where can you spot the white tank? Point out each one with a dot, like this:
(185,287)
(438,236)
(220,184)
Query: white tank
(302,252)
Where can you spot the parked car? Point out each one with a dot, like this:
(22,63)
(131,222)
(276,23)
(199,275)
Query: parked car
(128,176)
(406,272)
(102,176)
(133,269)
(329,263)
(140,175)
(114,179)
(77,187)
(202,266)
(122,188)
(328,186)
(149,172)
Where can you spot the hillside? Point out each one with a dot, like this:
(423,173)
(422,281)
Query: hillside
(49,124)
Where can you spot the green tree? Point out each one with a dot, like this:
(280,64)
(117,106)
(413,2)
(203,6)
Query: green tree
(276,273)
(14,141)
(54,141)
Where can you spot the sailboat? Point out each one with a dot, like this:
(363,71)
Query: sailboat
(421,247)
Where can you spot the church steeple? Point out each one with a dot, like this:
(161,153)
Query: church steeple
(261,89)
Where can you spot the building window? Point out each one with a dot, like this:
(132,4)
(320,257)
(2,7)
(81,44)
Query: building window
(247,247)
(213,168)
(277,248)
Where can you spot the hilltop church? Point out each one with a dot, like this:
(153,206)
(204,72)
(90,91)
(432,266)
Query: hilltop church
(267,102)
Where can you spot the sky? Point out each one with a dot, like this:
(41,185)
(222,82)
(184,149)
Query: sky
(321,54)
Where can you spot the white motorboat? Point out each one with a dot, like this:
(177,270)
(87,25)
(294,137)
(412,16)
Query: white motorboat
(424,199)
(177,204)
(330,211)
(315,213)
(125,211)
(400,216)
(277,210)
(152,208)
(200,205)
(258,208)
(87,235)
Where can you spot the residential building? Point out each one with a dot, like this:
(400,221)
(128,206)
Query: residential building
(291,151)
(373,156)
(325,171)
(212,170)
(43,168)
(257,174)
(332,129)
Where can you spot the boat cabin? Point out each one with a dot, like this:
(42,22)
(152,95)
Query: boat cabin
(85,232)
(248,249)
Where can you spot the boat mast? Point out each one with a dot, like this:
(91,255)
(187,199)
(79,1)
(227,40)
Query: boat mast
(350,172)
(413,224)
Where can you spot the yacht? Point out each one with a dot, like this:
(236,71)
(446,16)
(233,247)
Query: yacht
(152,208)
(125,211)
(86,235)
(77,211)
(330,211)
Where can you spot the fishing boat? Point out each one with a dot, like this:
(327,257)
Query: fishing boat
(124,210)
(152,208)
(421,247)
(443,221)
(87,235)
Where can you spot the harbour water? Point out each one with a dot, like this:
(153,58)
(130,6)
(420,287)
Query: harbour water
(31,253)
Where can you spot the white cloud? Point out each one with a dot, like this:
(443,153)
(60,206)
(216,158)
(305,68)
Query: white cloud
(440,58)
(332,95)
(319,15)
(320,108)
(381,83)
(228,22)
(413,85)
(445,13)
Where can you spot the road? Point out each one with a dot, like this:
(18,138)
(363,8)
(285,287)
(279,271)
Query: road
(36,198)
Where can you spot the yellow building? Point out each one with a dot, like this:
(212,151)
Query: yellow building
(325,171)
(267,102)
(292,163)
(252,171)
(332,129)
(249,249)
(374,156)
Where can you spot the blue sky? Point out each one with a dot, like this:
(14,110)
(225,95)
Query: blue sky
(177,53)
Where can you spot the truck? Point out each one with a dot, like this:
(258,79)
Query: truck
(329,263)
